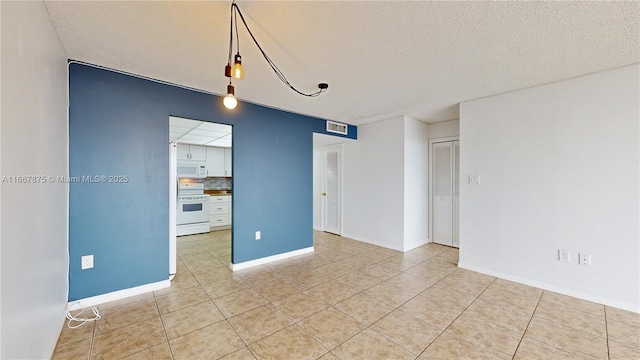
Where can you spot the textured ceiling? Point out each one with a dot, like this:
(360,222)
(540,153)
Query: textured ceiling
(381,59)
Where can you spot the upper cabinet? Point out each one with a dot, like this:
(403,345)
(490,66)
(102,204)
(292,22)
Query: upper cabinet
(227,162)
(192,152)
(215,161)
(218,161)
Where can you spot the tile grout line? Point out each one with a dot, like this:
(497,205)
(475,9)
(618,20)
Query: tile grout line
(528,323)
(606,331)
(457,317)
(164,329)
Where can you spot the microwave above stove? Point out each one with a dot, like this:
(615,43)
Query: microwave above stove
(192,170)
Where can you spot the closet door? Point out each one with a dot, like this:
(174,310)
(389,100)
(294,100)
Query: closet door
(442,193)
(445,191)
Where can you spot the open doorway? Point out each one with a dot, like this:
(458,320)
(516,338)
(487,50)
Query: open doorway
(201,197)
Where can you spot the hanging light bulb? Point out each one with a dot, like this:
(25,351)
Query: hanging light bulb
(237,71)
(230,101)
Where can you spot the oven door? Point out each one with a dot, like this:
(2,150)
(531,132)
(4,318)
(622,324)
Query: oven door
(192,211)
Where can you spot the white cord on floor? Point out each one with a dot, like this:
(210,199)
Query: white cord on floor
(81,321)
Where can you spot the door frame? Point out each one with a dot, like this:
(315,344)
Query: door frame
(324,186)
(431,142)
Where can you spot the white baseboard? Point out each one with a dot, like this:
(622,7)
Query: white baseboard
(268,259)
(555,288)
(372,242)
(118,295)
(415,244)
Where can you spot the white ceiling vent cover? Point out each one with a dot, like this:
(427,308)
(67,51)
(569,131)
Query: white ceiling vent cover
(337,128)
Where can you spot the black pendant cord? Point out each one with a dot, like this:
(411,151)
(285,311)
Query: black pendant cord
(322,87)
(231,35)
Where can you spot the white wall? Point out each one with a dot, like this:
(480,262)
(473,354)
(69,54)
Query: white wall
(444,129)
(33,216)
(373,185)
(559,167)
(416,180)
(385,188)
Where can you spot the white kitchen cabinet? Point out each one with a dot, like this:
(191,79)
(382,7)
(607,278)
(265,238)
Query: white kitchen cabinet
(192,152)
(215,161)
(220,214)
(227,162)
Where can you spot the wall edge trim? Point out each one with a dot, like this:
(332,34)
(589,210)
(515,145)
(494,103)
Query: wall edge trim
(372,242)
(268,259)
(555,288)
(118,295)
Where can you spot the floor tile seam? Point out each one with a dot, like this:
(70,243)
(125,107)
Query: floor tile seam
(164,329)
(462,312)
(263,336)
(123,326)
(571,328)
(575,352)
(397,343)
(316,339)
(606,331)
(199,302)
(590,313)
(501,327)
(214,304)
(145,348)
(93,335)
(576,308)
(637,347)
(237,334)
(95,327)
(637,326)
(557,322)
(497,353)
(528,323)
(298,321)
(439,302)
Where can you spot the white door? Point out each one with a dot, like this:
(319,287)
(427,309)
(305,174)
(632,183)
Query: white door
(332,195)
(445,188)
(456,191)
(173,206)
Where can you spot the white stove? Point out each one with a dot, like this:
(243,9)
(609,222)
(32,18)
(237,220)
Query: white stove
(192,216)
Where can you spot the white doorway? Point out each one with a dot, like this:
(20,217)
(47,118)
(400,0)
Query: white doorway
(332,189)
(444,191)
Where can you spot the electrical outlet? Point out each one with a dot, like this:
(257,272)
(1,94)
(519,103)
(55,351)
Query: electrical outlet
(584,259)
(563,256)
(257,235)
(87,262)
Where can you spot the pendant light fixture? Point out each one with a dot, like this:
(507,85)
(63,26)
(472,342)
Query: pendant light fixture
(237,71)
(229,101)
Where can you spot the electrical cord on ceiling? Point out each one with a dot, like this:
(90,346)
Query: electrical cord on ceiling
(81,321)
(234,7)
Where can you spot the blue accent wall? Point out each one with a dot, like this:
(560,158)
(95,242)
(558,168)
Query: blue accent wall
(119,125)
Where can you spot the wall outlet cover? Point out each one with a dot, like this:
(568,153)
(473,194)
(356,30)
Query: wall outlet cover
(584,259)
(474,179)
(87,262)
(258,235)
(564,256)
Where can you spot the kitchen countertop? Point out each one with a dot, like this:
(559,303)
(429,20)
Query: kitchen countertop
(218,192)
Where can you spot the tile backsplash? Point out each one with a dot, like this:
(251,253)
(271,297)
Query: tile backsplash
(217,183)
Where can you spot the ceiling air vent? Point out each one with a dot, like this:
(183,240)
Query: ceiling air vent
(338,128)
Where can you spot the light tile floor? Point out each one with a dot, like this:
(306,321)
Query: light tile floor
(348,300)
